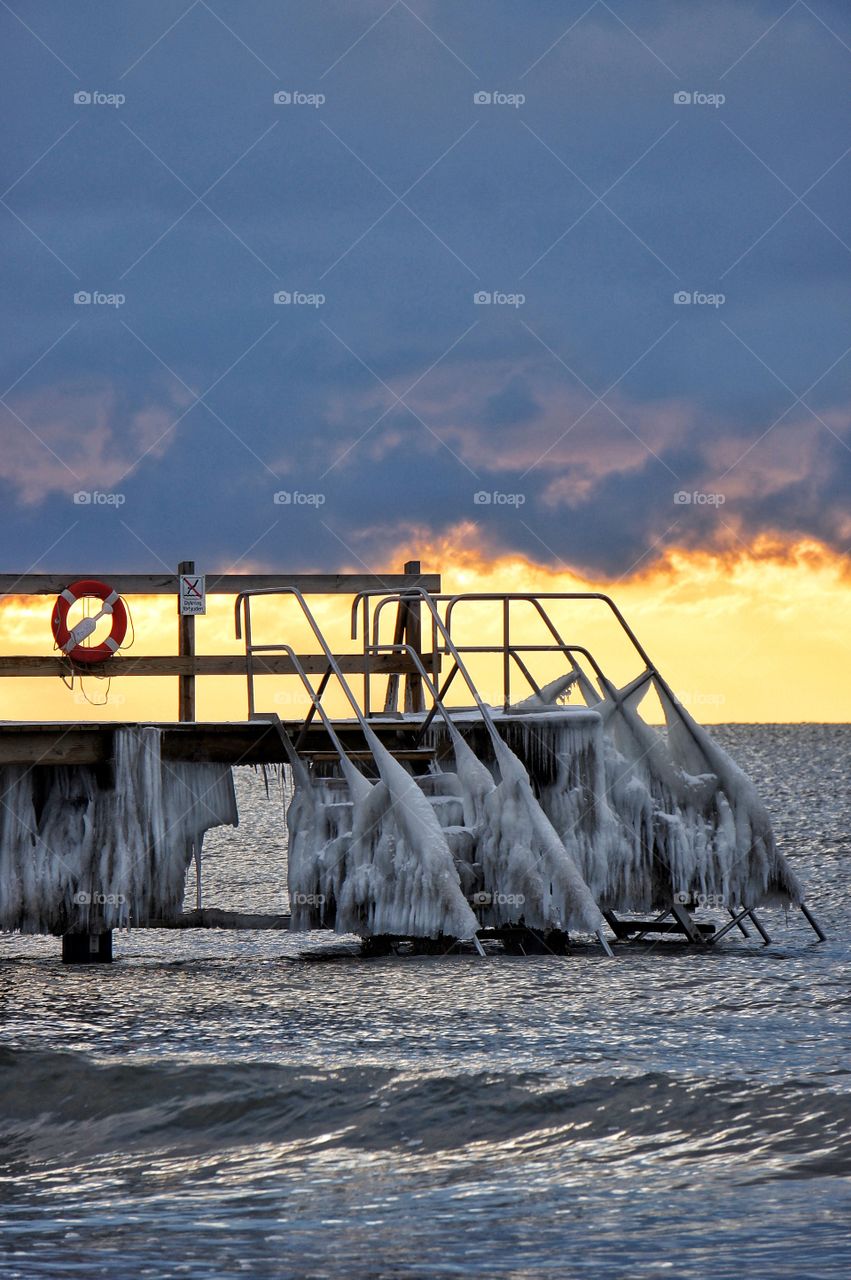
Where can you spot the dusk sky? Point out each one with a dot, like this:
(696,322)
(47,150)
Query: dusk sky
(577,193)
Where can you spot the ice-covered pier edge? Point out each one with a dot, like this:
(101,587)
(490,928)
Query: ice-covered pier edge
(571,811)
(98,846)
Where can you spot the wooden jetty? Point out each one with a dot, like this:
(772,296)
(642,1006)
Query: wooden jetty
(415,673)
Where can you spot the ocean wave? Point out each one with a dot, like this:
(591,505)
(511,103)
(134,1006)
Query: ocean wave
(60,1105)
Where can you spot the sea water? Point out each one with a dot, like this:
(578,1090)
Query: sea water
(221,1104)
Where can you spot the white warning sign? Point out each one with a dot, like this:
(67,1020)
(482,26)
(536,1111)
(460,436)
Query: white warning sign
(193,594)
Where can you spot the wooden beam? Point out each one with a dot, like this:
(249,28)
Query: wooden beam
(227,584)
(24,665)
(216,918)
(234,743)
(53,745)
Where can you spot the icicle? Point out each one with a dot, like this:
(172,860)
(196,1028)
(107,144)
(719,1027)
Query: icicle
(73,850)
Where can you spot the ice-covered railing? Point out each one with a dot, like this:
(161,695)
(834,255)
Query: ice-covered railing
(81,845)
(649,818)
(378,860)
(386,868)
(567,811)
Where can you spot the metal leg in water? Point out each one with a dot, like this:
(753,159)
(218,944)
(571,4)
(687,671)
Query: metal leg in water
(604,943)
(814,924)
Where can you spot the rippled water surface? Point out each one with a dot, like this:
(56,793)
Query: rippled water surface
(257,1104)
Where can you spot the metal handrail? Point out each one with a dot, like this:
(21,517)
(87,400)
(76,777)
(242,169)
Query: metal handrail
(507,649)
(650,667)
(401,596)
(535,599)
(243,602)
(452,650)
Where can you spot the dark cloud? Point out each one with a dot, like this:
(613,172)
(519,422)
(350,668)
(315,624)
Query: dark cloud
(382,385)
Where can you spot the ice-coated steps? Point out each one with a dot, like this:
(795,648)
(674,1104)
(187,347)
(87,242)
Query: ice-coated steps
(449,810)
(545,817)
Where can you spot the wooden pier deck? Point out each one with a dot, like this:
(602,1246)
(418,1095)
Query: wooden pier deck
(242,742)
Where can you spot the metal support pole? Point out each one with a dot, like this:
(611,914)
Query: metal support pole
(506,657)
(759,927)
(739,922)
(741,915)
(814,924)
(685,921)
(604,943)
(198,848)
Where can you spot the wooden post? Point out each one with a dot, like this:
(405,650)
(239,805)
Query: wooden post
(186,649)
(414,697)
(87,948)
(408,630)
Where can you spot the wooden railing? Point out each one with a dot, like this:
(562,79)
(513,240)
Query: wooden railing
(186,665)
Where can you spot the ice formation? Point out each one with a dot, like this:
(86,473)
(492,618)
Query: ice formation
(646,816)
(546,817)
(374,860)
(86,844)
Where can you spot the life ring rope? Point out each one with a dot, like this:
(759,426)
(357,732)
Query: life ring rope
(70,640)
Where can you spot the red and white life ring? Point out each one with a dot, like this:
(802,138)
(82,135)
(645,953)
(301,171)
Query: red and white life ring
(71,641)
